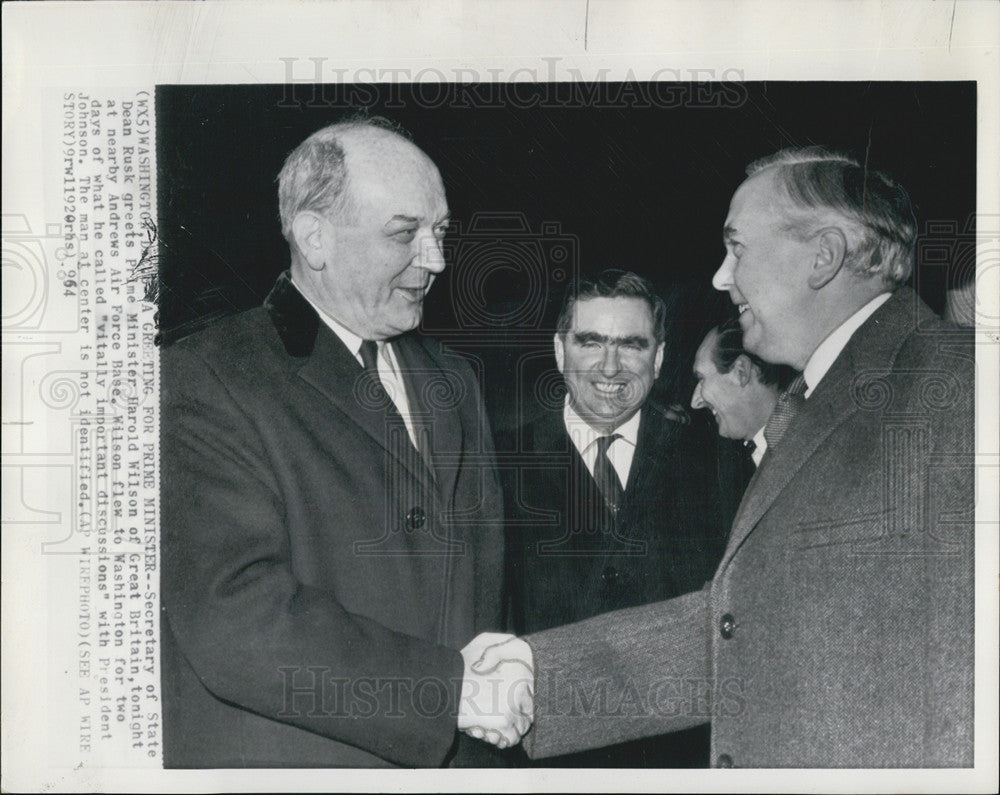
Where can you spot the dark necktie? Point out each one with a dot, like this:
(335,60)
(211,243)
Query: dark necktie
(788,405)
(605,475)
(369,358)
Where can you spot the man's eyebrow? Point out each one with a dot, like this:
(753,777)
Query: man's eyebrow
(583,337)
(412,219)
(402,219)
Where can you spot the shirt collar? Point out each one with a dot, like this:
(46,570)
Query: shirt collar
(759,446)
(829,349)
(583,435)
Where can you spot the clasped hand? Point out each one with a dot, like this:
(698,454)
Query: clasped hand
(498,689)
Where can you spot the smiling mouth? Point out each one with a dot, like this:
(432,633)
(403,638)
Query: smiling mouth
(741,308)
(415,294)
(609,388)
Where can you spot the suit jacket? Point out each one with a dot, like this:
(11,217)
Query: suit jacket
(838,629)
(318,577)
(570,558)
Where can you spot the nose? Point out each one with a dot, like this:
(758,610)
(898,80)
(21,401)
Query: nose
(430,254)
(609,361)
(723,278)
(697,401)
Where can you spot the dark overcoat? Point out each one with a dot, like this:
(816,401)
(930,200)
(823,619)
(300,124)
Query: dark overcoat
(318,578)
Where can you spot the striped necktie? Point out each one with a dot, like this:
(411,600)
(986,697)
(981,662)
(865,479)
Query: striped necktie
(605,475)
(785,409)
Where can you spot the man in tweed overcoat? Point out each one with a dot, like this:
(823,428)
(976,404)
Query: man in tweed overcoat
(838,628)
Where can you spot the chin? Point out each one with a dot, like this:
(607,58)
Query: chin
(757,344)
(599,416)
(405,323)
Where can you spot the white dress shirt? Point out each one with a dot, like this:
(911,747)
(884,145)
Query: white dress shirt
(620,452)
(826,354)
(760,446)
(388,366)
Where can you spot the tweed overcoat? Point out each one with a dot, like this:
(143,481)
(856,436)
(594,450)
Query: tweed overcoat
(838,628)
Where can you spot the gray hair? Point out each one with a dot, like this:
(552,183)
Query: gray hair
(883,228)
(314,176)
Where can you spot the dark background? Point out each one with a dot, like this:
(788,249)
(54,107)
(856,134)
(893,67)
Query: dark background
(544,180)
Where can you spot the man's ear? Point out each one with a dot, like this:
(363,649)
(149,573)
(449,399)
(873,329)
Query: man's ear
(659,360)
(743,369)
(829,257)
(557,344)
(308,233)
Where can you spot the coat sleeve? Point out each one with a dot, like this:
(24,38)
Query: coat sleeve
(621,676)
(254,635)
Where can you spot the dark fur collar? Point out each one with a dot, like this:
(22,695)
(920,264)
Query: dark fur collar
(294,319)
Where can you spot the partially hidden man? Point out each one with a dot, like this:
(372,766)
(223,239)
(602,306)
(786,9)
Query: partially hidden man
(332,516)
(740,390)
(737,387)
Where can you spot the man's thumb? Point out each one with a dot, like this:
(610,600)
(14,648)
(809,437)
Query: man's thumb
(489,660)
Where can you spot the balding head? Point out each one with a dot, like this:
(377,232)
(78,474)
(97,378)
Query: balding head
(364,212)
(316,174)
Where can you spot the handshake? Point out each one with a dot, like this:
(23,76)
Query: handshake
(498,689)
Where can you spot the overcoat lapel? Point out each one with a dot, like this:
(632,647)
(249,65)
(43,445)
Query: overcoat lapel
(564,480)
(431,387)
(576,485)
(653,442)
(868,355)
(336,373)
(328,366)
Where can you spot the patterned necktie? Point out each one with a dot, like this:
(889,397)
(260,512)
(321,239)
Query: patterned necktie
(605,475)
(785,409)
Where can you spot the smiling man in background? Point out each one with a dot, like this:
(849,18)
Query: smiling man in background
(615,500)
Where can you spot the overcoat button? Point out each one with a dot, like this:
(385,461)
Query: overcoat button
(609,575)
(415,518)
(727,626)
